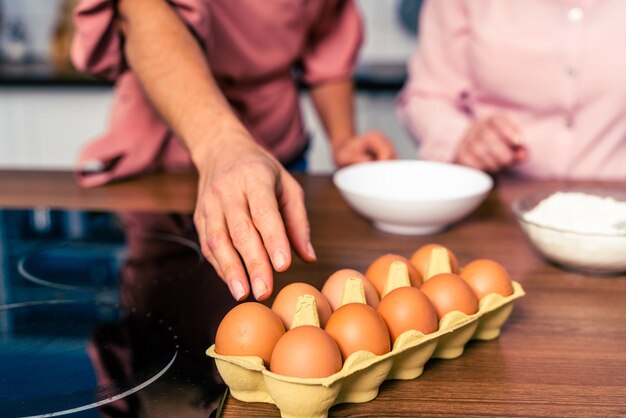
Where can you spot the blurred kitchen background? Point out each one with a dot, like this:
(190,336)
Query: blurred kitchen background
(48,111)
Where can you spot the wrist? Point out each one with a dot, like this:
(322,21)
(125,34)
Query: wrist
(338,142)
(206,144)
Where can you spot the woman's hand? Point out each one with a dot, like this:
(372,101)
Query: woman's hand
(492,144)
(370,146)
(248,209)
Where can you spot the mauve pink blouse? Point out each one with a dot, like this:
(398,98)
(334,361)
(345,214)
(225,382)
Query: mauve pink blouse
(253,47)
(556,67)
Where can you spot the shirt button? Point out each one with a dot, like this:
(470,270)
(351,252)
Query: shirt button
(569,121)
(575,15)
(571,72)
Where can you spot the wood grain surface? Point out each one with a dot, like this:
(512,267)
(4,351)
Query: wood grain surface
(561,353)
(57,189)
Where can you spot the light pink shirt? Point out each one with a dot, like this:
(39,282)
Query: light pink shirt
(253,48)
(557,68)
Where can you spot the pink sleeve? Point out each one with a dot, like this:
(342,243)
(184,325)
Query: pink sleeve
(433,103)
(97,46)
(333,45)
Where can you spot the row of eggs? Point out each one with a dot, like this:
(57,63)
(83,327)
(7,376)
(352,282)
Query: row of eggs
(433,288)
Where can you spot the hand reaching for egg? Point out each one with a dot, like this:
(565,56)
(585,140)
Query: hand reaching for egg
(249,209)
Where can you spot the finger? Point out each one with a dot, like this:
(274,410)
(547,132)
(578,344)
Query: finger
(204,248)
(291,201)
(355,156)
(507,129)
(249,245)
(463,153)
(501,151)
(361,157)
(470,160)
(473,151)
(268,221)
(352,151)
(379,146)
(520,154)
(221,247)
(480,151)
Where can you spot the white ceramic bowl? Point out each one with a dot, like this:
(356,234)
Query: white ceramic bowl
(585,252)
(412,197)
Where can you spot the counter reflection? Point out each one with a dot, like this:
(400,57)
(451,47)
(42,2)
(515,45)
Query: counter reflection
(115,314)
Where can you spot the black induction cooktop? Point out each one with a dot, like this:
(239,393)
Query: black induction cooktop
(106,315)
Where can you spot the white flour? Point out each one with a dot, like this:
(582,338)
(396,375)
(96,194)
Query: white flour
(580,212)
(603,250)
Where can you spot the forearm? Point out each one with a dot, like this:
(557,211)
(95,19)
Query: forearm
(335,107)
(175,75)
(248,208)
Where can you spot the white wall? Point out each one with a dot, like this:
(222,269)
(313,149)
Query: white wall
(37,18)
(385,38)
(45,127)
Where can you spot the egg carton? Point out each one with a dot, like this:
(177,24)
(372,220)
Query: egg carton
(362,372)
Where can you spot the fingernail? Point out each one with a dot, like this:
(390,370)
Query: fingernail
(517,139)
(236,288)
(279,260)
(310,250)
(259,288)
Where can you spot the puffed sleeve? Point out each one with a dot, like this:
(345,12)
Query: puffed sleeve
(97,45)
(433,104)
(332,48)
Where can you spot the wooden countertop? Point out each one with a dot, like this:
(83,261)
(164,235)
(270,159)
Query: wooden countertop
(561,353)
(57,189)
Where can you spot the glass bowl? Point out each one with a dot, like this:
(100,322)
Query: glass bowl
(588,252)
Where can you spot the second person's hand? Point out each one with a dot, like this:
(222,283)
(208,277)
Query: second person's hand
(492,144)
(248,210)
(370,146)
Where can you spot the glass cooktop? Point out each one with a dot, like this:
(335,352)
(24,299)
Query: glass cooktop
(106,315)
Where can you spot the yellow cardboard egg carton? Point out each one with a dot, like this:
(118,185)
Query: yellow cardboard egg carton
(363,372)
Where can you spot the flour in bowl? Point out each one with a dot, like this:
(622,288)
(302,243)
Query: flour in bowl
(580,212)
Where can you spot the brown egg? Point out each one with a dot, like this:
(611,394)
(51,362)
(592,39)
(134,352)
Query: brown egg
(286,300)
(306,351)
(408,308)
(357,326)
(449,292)
(487,276)
(334,286)
(421,258)
(249,329)
(379,269)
